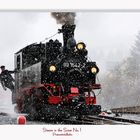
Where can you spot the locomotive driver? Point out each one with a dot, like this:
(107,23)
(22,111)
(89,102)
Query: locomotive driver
(7,81)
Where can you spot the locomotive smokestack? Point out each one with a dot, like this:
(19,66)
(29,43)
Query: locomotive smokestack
(67,19)
(68,32)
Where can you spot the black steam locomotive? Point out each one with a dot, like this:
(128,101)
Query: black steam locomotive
(55,80)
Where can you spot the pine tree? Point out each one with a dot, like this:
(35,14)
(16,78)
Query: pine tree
(132,70)
(121,85)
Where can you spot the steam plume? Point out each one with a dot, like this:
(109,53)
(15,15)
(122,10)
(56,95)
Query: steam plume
(64,17)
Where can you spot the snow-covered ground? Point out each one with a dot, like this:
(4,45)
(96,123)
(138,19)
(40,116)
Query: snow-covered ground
(7,114)
(5,102)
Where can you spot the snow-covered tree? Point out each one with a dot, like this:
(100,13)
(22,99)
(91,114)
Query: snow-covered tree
(121,85)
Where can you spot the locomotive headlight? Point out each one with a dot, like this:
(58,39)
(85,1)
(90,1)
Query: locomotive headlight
(94,70)
(52,68)
(80,46)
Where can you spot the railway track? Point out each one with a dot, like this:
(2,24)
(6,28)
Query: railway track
(83,120)
(120,119)
(100,120)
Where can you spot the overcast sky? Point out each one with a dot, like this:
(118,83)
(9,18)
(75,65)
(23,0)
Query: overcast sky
(109,36)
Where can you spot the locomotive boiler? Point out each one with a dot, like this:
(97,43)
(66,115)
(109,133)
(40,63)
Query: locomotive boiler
(55,80)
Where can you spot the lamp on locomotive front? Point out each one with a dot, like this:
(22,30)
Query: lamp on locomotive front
(94,70)
(52,68)
(80,46)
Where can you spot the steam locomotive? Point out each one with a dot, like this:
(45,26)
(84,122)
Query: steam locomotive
(56,81)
